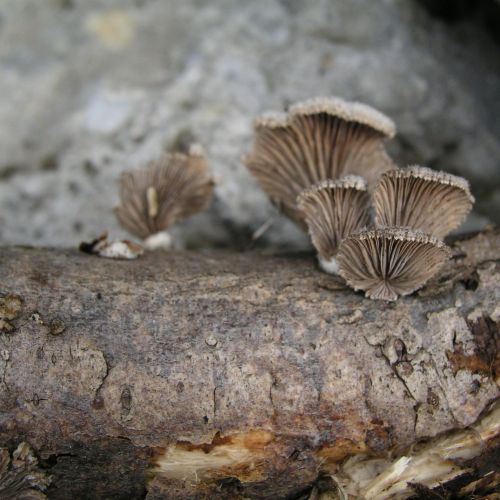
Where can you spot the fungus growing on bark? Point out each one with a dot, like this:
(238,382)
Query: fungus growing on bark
(421,198)
(386,263)
(155,196)
(332,211)
(102,247)
(317,140)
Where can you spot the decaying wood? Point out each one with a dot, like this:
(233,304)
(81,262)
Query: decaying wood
(223,375)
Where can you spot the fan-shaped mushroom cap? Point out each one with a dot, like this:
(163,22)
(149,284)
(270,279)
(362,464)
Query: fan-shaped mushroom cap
(389,262)
(356,112)
(319,139)
(333,210)
(421,198)
(157,195)
(101,246)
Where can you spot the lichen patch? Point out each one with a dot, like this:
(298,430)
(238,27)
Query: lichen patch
(10,308)
(114,29)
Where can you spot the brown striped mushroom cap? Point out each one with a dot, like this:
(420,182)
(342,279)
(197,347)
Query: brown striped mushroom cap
(421,198)
(317,140)
(332,210)
(389,262)
(155,196)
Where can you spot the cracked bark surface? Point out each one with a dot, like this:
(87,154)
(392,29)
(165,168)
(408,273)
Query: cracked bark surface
(218,374)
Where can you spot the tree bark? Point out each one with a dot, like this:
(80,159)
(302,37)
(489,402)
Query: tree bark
(214,374)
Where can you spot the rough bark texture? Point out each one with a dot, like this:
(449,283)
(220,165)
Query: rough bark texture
(229,374)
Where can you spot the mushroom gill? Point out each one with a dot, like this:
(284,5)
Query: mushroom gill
(421,198)
(389,262)
(333,210)
(317,140)
(155,196)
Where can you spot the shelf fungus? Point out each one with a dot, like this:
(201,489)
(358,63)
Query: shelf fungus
(421,198)
(157,195)
(389,262)
(317,140)
(333,210)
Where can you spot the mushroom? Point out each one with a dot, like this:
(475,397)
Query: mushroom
(102,247)
(317,140)
(157,195)
(389,262)
(332,210)
(421,198)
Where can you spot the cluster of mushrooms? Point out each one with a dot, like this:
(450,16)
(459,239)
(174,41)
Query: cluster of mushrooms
(323,164)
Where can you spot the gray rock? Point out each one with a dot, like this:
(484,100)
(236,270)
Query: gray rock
(92,88)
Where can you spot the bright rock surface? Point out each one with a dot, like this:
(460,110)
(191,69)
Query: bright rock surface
(92,88)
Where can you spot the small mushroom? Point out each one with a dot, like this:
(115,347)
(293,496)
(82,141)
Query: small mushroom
(102,247)
(420,198)
(317,140)
(332,211)
(389,262)
(155,196)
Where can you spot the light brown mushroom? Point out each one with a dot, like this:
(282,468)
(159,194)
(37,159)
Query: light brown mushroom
(102,247)
(317,140)
(333,210)
(421,198)
(155,196)
(389,262)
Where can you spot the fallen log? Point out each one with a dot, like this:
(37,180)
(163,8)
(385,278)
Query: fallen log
(225,375)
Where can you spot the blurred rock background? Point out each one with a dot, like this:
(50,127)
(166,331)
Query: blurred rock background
(90,88)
